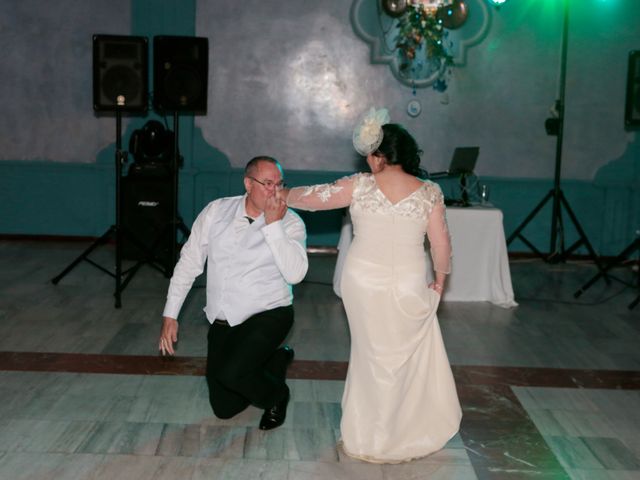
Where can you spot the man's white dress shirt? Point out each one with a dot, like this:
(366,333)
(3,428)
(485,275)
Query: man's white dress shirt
(250,267)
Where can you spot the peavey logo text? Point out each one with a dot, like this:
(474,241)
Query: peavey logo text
(146,203)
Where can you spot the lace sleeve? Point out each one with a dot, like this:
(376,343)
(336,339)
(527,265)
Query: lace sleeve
(326,196)
(438,234)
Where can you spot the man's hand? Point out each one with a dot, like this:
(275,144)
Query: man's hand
(168,335)
(274,209)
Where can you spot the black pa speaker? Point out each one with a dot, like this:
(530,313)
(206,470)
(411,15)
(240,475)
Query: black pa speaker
(147,209)
(180,74)
(632,107)
(120,73)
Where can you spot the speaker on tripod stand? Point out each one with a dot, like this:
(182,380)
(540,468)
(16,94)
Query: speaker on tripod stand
(180,74)
(119,86)
(147,196)
(120,69)
(181,70)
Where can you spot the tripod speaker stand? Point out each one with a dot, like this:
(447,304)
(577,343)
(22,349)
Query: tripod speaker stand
(120,66)
(555,126)
(114,231)
(616,262)
(180,79)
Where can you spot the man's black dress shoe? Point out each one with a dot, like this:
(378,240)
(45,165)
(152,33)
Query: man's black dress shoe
(289,353)
(274,417)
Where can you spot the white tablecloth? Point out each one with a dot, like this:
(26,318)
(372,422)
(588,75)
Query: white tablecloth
(480,264)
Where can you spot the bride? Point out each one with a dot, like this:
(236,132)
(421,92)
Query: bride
(400,400)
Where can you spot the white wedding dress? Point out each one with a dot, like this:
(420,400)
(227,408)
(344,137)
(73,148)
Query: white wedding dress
(400,400)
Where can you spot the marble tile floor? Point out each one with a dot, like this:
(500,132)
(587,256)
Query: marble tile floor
(549,389)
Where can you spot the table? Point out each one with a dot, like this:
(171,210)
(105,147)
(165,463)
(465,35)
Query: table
(480,264)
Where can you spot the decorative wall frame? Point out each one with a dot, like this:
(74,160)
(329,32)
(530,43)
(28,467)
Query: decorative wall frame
(380,31)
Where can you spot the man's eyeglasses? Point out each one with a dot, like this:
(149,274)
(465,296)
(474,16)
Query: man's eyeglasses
(269,184)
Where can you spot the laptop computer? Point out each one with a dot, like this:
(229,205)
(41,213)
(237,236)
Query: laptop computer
(463,161)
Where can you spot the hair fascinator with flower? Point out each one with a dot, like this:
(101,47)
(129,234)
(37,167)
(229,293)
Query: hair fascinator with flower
(367,136)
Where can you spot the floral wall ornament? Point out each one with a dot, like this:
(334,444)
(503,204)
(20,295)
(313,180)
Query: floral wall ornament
(420,32)
(424,43)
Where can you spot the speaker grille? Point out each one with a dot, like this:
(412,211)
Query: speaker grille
(120,68)
(180,73)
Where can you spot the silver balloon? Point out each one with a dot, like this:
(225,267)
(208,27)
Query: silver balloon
(394,8)
(454,15)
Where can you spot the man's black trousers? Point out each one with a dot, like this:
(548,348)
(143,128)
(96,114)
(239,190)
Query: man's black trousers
(245,365)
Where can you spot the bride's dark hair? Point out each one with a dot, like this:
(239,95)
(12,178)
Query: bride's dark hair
(400,148)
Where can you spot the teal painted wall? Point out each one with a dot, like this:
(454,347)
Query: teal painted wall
(42,198)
